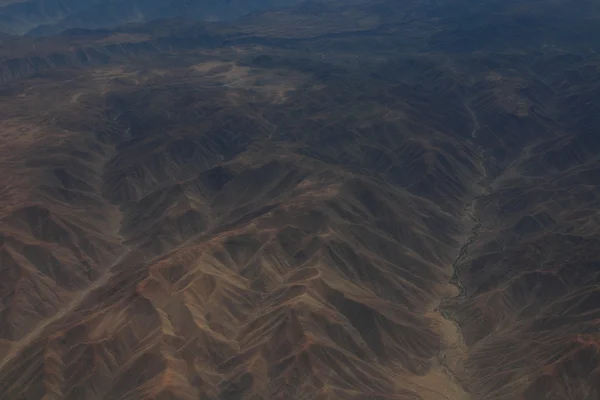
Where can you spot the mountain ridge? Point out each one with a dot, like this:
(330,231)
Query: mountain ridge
(289,205)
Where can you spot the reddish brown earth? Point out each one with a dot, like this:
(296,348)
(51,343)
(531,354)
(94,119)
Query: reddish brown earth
(332,201)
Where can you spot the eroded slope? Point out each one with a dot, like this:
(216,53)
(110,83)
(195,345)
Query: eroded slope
(254,261)
(250,211)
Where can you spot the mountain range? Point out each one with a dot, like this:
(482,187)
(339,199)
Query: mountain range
(323,200)
(46,17)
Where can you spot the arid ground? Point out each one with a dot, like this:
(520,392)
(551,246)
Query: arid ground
(345,199)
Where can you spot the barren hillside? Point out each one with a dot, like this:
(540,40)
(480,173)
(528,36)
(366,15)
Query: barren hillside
(336,200)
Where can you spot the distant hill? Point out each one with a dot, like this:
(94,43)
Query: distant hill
(47,17)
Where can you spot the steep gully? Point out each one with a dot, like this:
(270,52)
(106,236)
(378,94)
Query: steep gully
(458,347)
(78,299)
(75,302)
(469,209)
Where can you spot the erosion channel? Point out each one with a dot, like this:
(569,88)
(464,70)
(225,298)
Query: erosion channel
(452,357)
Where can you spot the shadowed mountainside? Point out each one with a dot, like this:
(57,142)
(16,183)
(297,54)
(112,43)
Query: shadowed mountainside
(340,200)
